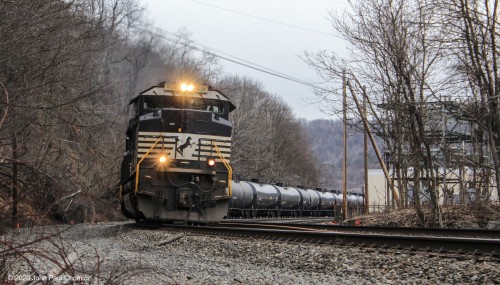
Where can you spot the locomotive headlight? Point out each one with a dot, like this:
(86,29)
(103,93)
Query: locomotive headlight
(187,87)
(163,159)
(211,162)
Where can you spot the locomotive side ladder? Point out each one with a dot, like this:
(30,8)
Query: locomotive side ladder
(137,168)
(229,170)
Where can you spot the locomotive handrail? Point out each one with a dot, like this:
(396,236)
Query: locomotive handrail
(229,170)
(138,167)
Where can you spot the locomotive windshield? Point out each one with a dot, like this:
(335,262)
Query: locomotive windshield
(188,103)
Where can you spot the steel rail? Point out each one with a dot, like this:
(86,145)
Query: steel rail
(477,233)
(448,245)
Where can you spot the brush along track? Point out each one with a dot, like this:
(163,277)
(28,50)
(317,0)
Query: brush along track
(457,247)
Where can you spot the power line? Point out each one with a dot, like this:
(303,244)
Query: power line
(213,52)
(233,59)
(262,18)
(340,2)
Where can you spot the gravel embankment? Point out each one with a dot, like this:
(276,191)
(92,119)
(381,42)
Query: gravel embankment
(131,255)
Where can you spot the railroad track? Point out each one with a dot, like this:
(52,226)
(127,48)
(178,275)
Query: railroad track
(458,247)
(437,232)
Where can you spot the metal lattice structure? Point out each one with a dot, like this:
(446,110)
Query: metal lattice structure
(460,153)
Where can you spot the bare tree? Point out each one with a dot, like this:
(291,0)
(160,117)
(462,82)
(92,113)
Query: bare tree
(473,38)
(396,54)
(55,60)
(268,142)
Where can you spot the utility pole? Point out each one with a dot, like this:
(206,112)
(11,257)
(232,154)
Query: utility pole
(344,165)
(444,148)
(14,180)
(375,147)
(365,154)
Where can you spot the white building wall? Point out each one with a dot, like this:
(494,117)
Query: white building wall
(377,190)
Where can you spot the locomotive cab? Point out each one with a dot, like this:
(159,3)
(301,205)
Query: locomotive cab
(177,161)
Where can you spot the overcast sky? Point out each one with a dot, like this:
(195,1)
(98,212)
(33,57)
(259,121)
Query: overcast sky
(222,25)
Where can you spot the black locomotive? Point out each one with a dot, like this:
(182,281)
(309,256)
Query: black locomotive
(178,150)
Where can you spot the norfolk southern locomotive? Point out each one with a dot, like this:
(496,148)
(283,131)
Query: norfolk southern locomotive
(176,165)
(178,147)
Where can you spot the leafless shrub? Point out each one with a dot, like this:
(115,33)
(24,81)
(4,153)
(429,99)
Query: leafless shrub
(44,253)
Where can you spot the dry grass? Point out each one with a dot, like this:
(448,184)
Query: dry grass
(470,216)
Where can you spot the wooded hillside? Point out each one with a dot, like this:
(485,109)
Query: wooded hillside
(68,70)
(326,141)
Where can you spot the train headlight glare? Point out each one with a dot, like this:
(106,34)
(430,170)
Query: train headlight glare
(163,159)
(211,162)
(187,87)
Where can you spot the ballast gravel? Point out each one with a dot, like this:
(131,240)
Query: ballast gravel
(121,253)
